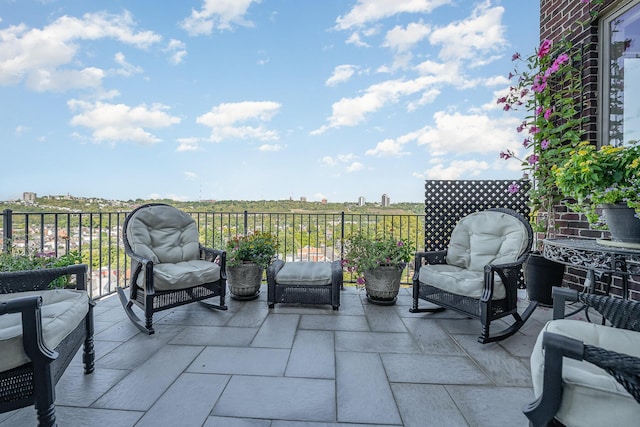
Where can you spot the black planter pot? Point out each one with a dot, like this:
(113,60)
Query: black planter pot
(540,275)
(622,222)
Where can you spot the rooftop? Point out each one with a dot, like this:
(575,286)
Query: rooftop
(296,366)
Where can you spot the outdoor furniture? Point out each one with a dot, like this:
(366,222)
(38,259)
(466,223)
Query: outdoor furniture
(304,283)
(587,374)
(41,330)
(478,274)
(169,266)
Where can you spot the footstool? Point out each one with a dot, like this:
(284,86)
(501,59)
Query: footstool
(304,283)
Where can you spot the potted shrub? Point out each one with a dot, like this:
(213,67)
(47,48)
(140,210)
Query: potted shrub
(606,178)
(247,257)
(378,263)
(547,84)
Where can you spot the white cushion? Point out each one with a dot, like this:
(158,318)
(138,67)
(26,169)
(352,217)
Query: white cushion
(458,280)
(62,311)
(163,234)
(591,397)
(305,273)
(182,275)
(487,237)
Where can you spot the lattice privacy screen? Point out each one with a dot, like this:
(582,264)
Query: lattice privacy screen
(446,202)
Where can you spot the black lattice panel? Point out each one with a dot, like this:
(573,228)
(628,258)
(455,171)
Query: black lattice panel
(446,202)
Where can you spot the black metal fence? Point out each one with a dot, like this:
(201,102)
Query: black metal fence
(97,236)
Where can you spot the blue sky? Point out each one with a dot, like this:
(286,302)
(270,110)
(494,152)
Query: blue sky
(256,99)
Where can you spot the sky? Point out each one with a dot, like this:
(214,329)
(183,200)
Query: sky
(257,99)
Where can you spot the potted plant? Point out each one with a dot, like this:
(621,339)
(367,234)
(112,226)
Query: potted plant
(378,263)
(247,257)
(606,178)
(547,84)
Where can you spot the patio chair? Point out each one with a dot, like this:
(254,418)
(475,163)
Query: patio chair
(304,283)
(169,266)
(41,330)
(587,374)
(479,272)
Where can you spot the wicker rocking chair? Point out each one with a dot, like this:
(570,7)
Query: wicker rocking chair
(587,374)
(478,274)
(169,266)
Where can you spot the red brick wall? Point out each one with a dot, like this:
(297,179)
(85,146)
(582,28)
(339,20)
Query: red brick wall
(560,18)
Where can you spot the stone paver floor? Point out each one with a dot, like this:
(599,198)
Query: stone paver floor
(364,365)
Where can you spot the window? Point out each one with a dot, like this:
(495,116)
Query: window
(621,75)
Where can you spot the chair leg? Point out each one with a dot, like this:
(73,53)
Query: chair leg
(147,327)
(88,355)
(44,395)
(519,320)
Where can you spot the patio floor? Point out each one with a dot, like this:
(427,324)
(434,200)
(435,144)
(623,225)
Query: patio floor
(295,365)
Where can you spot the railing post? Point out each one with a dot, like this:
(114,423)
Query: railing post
(246,222)
(341,235)
(7,229)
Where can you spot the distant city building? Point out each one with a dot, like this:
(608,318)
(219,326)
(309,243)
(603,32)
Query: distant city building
(386,201)
(324,201)
(29,197)
(303,199)
(361,201)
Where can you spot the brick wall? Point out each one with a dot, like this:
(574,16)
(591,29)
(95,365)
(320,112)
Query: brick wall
(573,19)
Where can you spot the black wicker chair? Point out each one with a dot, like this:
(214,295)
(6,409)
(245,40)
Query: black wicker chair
(478,275)
(304,283)
(169,266)
(584,373)
(55,323)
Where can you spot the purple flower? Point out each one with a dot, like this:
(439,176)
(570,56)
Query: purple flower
(515,56)
(533,159)
(545,47)
(400,243)
(544,144)
(513,188)
(548,113)
(360,280)
(534,129)
(506,154)
(561,59)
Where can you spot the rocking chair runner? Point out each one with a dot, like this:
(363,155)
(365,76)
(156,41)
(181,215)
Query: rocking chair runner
(169,265)
(478,274)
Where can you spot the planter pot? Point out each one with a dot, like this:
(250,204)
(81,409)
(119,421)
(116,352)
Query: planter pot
(383,284)
(622,222)
(540,275)
(244,281)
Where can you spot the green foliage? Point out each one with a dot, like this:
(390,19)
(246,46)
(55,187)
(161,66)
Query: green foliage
(606,176)
(17,260)
(259,247)
(366,253)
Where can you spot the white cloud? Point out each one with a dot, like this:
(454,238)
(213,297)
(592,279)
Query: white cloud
(457,169)
(271,147)
(225,120)
(190,176)
(355,167)
(388,148)
(177,51)
(46,58)
(402,39)
(217,14)
(188,144)
(341,74)
(473,37)
(126,68)
(339,160)
(352,111)
(368,11)
(21,130)
(120,122)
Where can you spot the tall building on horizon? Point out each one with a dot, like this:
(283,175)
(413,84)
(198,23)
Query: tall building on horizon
(386,201)
(361,201)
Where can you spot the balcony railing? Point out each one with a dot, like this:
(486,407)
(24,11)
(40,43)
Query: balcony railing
(97,236)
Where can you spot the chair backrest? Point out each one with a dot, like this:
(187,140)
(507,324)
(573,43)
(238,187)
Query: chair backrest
(493,236)
(162,234)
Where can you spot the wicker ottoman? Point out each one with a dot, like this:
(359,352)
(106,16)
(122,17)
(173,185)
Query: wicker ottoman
(304,283)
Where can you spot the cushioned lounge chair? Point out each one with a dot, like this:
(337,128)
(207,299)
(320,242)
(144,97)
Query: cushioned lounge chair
(304,283)
(169,266)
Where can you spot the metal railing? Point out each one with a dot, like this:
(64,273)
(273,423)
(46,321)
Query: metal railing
(97,236)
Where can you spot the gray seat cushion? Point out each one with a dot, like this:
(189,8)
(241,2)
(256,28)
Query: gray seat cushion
(459,281)
(591,397)
(182,275)
(62,311)
(305,273)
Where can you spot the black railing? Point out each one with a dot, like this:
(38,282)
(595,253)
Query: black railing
(97,236)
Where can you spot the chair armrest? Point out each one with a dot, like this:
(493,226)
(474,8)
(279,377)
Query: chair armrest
(32,340)
(560,297)
(430,257)
(273,270)
(336,274)
(39,279)
(211,254)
